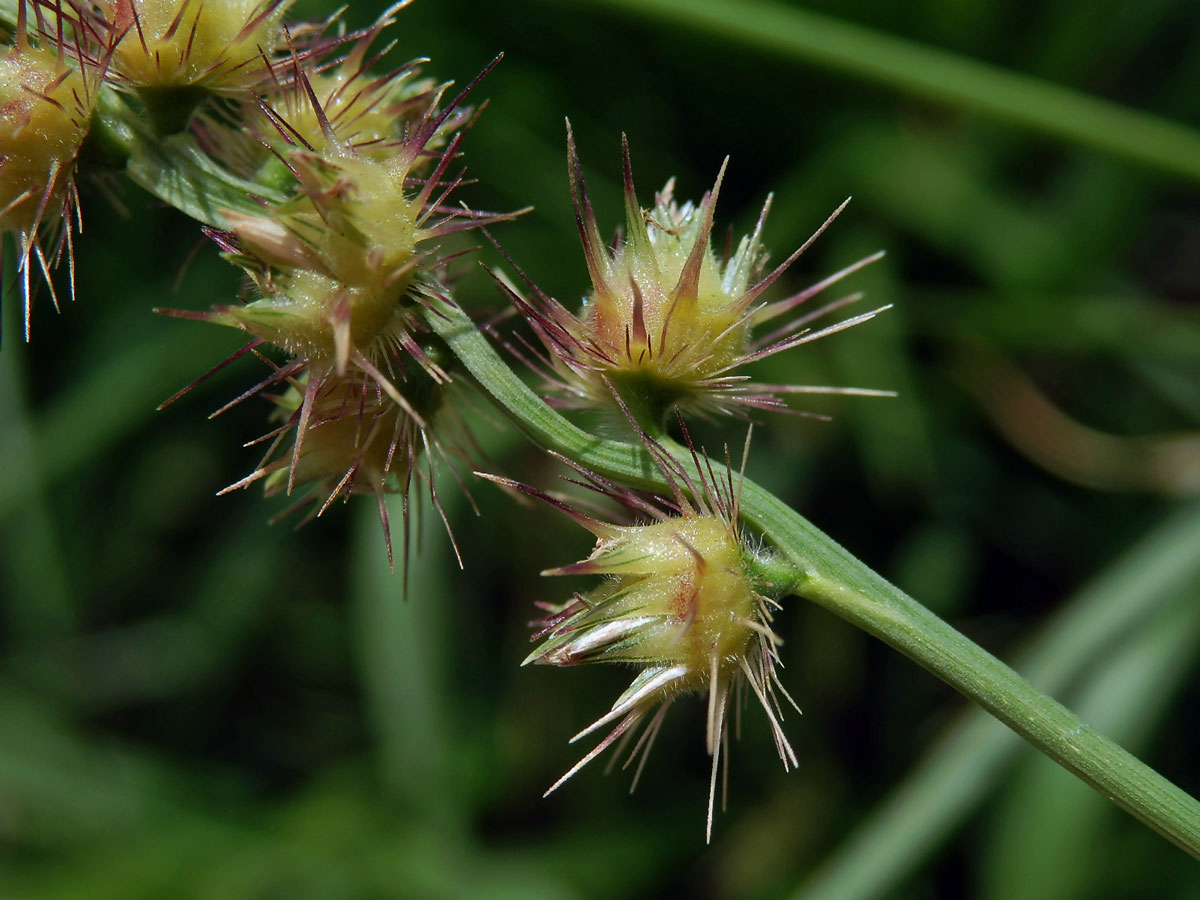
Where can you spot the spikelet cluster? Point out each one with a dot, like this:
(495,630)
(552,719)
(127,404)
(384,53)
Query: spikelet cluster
(341,262)
(669,323)
(678,603)
(341,246)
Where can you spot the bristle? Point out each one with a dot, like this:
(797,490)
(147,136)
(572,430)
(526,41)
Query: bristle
(688,286)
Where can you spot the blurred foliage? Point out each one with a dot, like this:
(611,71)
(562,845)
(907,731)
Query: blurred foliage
(194,703)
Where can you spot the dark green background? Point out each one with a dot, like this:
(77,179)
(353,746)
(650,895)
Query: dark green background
(196,704)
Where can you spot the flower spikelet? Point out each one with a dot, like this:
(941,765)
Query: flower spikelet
(669,321)
(341,266)
(678,603)
(210,45)
(355,440)
(49,76)
(325,105)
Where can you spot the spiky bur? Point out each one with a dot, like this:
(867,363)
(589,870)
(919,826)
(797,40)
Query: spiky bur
(679,604)
(341,266)
(49,76)
(321,104)
(340,269)
(357,440)
(215,44)
(669,322)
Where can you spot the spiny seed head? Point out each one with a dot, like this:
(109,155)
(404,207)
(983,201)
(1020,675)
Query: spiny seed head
(311,103)
(338,435)
(213,45)
(367,114)
(663,307)
(669,321)
(678,603)
(357,440)
(49,76)
(341,265)
(346,105)
(677,595)
(333,264)
(45,107)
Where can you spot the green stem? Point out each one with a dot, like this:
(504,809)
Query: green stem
(1056,731)
(830,576)
(935,75)
(1161,573)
